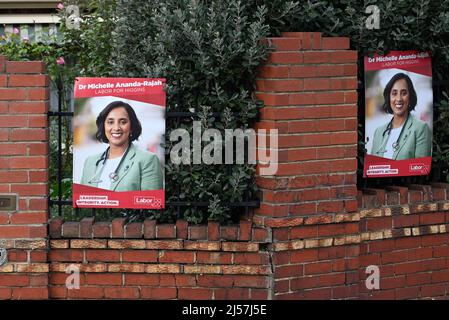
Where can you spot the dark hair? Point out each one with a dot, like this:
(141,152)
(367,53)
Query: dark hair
(411,90)
(136,127)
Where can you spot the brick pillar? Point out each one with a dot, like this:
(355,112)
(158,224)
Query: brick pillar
(24,96)
(309,88)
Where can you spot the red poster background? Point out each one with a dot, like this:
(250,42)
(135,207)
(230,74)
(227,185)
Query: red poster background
(139,89)
(413,61)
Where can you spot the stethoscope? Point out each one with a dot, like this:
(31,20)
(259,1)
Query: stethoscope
(395,144)
(104,157)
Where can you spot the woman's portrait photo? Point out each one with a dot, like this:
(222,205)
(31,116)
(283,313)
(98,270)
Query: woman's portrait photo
(117,144)
(398,114)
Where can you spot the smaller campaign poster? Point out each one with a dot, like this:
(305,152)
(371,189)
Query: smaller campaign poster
(398,114)
(118,129)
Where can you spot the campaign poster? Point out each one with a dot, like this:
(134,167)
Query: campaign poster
(118,129)
(398,114)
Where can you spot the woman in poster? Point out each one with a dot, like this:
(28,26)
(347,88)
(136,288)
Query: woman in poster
(404,136)
(123,166)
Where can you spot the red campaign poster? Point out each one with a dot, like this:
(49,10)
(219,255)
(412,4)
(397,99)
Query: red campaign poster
(398,114)
(118,129)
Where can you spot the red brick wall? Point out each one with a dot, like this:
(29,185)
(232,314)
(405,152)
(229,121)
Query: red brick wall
(160,261)
(325,232)
(312,237)
(309,87)
(24,103)
(408,240)
(409,244)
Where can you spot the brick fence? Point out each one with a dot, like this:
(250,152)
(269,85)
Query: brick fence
(165,261)
(312,237)
(24,103)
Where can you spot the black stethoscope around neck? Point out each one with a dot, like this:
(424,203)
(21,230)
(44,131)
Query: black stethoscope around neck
(395,144)
(104,157)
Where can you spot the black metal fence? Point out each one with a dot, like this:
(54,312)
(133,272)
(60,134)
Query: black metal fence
(60,180)
(59,200)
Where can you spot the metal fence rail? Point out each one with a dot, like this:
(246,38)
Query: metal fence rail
(59,205)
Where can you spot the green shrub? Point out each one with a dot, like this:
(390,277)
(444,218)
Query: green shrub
(209,52)
(404,25)
(89,46)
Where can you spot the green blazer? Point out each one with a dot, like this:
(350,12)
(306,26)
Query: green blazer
(140,170)
(415,141)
